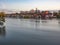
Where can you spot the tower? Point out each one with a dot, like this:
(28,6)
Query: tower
(36,11)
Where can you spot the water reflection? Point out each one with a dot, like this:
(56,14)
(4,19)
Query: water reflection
(58,21)
(37,22)
(2,28)
(43,21)
(2,31)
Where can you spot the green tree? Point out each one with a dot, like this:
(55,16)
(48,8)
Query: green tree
(58,14)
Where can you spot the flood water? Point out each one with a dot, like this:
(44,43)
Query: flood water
(30,32)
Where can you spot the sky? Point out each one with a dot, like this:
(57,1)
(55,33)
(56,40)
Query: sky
(30,4)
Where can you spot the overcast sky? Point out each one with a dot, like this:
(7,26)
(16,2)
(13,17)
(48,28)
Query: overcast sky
(30,4)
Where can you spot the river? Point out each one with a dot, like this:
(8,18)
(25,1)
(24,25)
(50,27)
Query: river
(30,32)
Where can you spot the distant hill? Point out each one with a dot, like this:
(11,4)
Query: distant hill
(8,11)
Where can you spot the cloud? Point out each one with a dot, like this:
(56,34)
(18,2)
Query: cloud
(2,6)
(30,4)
